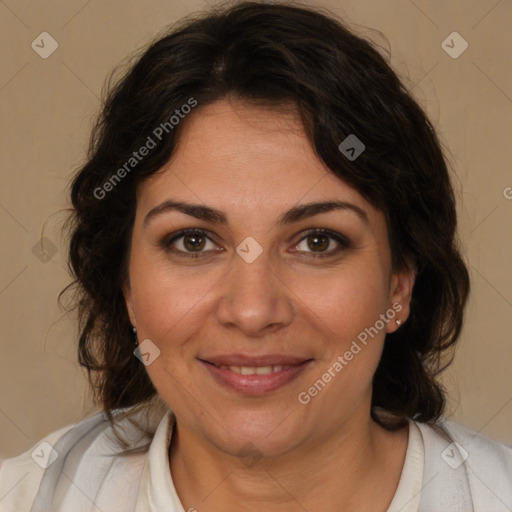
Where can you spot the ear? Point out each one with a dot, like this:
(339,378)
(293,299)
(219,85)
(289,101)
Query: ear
(401,286)
(129,303)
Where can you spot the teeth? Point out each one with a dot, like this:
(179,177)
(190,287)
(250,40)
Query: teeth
(256,370)
(245,370)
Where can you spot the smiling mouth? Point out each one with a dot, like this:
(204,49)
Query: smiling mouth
(255,378)
(253,370)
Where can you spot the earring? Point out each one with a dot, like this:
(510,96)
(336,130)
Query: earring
(134,336)
(398,322)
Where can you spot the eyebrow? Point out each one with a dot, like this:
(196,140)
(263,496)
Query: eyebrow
(294,214)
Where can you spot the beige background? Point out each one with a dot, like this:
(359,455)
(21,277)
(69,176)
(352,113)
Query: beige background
(46,110)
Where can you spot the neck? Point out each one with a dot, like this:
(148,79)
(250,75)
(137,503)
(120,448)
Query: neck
(356,468)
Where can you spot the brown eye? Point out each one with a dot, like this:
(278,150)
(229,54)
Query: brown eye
(189,243)
(318,241)
(193,242)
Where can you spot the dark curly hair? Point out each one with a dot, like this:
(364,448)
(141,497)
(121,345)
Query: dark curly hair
(273,55)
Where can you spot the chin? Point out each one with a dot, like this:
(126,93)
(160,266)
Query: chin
(257,434)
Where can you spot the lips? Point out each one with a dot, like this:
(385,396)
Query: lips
(254,375)
(254,361)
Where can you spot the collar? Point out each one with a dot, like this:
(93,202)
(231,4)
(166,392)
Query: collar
(156,489)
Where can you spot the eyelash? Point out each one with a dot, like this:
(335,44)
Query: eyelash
(343,242)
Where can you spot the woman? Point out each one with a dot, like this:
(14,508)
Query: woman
(268,278)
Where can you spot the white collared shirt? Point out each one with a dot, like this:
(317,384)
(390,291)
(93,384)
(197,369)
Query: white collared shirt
(89,475)
(157,489)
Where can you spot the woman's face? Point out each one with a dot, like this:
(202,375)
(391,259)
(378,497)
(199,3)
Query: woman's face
(254,290)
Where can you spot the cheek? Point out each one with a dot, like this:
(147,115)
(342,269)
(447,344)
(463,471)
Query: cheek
(170,310)
(165,298)
(173,310)
(346,301)
(163,306)
(344,308)
(345,315)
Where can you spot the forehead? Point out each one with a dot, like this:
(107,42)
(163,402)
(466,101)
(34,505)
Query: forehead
(231,139)
(233,155)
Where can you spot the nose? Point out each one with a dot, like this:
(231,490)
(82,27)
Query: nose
(254,299)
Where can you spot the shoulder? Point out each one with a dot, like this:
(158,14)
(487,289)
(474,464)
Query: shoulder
(20,476)
(462,458)
(65,458)
(471,444)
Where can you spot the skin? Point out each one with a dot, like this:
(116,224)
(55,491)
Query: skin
(254,164)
